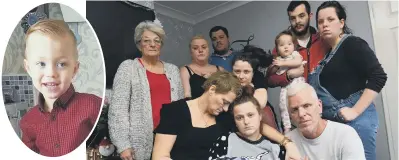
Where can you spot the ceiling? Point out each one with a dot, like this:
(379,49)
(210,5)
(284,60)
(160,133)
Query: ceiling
(191,7)
(194,11)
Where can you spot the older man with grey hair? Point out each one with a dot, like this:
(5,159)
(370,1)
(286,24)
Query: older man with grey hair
(317,138)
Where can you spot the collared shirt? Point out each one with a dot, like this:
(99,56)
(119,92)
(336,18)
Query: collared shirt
(62,130)
(224,61)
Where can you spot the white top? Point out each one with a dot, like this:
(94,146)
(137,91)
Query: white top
(290,57)
(303,43)
(337,142)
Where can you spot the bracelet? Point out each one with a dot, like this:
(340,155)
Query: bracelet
(285,141)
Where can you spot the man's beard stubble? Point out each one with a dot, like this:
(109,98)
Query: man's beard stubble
(222,52)
(303,32)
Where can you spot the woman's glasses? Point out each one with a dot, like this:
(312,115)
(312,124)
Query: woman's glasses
(148,41)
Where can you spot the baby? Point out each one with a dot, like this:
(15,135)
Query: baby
(289,61)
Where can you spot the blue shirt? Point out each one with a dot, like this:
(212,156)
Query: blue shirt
(224,61)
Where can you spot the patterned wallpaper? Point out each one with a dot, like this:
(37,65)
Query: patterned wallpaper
(90,77)
(149,4)
(178,36)
(13,57)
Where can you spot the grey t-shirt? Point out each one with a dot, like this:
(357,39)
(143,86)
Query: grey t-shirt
(337,142)
(235,147)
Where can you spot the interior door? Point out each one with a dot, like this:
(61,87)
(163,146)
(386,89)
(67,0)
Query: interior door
(384,21)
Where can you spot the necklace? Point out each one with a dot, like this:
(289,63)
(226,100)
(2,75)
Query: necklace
(152,68)
(203,118)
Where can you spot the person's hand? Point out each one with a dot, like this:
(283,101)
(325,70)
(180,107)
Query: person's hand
(277,62)
(348,114)
(296,73)
(165,158)
(292,152)
(274,69)
(127,154)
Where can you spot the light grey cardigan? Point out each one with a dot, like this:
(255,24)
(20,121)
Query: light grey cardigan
(130,113)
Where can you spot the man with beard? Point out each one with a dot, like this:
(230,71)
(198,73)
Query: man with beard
(308,43)
(222,55)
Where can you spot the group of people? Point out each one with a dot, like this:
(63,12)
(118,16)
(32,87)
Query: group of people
(213,108)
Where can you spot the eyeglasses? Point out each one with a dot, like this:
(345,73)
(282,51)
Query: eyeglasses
(148,42)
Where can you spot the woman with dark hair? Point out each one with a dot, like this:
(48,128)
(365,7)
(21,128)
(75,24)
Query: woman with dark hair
(248,141)
(245,67)
(349,78)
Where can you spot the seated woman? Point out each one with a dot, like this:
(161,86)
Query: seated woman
(245,67)
(248,142)
(194,75)
(189,127)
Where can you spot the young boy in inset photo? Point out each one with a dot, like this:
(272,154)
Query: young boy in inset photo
(63,118)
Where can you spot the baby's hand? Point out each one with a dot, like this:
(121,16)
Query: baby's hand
(277,62)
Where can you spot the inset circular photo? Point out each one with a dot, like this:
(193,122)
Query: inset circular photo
(53,79)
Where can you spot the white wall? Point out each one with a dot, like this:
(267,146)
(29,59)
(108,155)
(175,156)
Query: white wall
(267,19)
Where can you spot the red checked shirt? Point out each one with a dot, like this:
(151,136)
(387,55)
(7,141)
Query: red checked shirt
(62,130)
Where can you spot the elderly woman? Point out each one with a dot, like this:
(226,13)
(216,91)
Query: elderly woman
(194,75)
(349,78)
(140,88)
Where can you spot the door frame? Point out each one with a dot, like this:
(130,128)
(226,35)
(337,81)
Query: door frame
(377,29)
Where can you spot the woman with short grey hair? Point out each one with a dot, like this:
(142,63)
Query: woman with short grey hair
(140,88)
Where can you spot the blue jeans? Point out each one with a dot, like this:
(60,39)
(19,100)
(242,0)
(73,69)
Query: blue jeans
(366,124)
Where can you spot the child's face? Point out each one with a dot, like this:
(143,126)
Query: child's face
(285,45)
(52,63)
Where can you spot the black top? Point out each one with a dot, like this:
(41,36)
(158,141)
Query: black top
(354,67)
(196,82)
(259,80)
(191,142)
